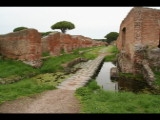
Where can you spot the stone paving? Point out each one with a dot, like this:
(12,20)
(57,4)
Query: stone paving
(81,77)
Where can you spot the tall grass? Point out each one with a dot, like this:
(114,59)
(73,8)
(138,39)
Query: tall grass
(24,87)
(114,51)
(93,52)
(99,101)
(53,64)
(12,67)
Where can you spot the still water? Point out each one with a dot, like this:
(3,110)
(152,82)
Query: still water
(121,84)
(103,78)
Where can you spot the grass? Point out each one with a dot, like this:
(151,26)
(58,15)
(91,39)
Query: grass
(157,78)
(92,53)
(111,49)
(44,54)
(30,86)
(25,87)
(53,64)
(96,100)
(12,67)
(93,99)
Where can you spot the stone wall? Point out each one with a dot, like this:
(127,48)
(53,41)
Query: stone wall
(138,40)
(57,43)
(24,45)
(140,28)
(28,46)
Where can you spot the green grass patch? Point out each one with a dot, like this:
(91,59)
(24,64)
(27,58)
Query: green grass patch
(44,54)
(24,87)
(93,52)
(157,78)
(109,58)
(131,75)
(53,64)
(12,67)
(114,50)
(100,101)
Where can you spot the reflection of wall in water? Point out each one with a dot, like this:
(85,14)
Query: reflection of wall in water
(131,85)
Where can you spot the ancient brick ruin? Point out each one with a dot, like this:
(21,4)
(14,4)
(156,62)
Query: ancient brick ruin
(23,45)
(28,46)
(139,42)
(56,43)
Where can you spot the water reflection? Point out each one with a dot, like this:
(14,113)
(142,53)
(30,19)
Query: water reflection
(121,84)
(103,78)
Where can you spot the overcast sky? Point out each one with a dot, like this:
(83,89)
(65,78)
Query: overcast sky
(93,22)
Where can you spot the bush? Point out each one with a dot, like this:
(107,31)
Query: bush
(19,29)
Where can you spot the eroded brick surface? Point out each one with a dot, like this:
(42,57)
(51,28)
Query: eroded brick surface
(23,45)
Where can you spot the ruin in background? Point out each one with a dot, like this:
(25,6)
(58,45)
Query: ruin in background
(139,42)
(28,46)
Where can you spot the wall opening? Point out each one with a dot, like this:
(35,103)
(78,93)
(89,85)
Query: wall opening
(123,36)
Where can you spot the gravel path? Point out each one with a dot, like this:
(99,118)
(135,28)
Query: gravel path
(53,101)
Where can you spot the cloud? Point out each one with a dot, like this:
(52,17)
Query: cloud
(94,22)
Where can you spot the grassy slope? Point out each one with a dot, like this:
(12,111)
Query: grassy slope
(94,100)
(29,86)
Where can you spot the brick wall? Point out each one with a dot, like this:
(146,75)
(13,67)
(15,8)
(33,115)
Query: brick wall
(139,29)
(23,45)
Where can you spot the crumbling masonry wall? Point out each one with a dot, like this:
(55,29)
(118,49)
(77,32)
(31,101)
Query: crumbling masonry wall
(24,45)
(28,46)
(56,43)
(140,28)
(138,41)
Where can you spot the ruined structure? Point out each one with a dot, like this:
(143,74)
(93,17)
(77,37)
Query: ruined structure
(24,45)
(28,46)
(56,43)
(139,42)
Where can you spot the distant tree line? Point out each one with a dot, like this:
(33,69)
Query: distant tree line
(66,25)
(110,37)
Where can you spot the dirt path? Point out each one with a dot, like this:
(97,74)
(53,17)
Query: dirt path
(54,101)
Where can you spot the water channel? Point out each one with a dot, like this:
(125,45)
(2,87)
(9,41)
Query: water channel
(103,77)
(121,84)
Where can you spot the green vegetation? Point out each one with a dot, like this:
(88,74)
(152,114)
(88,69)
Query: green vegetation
(25,87)
(45,33)
(111,49)
(63,26)
(104,40)
(10,67)
(44,54)
(96,100)
(53,64)
(112,36)
(41,82)
(92,53)
(19,28)
(131,75)
(157,76)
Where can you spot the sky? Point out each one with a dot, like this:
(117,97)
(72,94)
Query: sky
(93,22)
